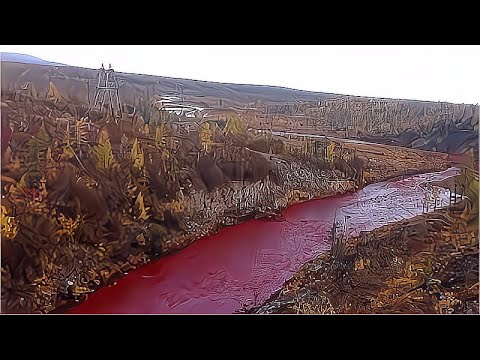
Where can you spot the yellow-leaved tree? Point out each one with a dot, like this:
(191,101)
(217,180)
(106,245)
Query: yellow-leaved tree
(140,208)
(53,93)
(104,155)
(330,151)
(138,156)
(9,225)
(234,125)
(206,137)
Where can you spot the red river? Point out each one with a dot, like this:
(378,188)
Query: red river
(243,265)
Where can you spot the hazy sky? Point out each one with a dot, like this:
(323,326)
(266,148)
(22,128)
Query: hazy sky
(425,72)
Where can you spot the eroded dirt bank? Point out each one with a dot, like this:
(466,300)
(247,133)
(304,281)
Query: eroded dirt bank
(243,265)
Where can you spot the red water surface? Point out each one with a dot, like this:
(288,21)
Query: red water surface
(243,265)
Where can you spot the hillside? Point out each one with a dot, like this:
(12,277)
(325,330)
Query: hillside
(436,126)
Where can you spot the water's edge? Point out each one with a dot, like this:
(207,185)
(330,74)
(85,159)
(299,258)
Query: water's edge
(243,265)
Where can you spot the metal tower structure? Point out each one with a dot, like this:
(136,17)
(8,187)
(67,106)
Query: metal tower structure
(107,92)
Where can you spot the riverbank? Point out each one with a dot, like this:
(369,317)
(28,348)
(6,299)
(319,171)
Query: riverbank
(241,266)
(427,264)
(86,201)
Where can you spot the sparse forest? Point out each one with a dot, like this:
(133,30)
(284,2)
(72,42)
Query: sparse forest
(86,197)
(90,193)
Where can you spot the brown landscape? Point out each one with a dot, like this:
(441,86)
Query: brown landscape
(98,183)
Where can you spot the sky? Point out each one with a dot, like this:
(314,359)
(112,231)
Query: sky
(424,72)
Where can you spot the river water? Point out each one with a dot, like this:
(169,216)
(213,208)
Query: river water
(243,265)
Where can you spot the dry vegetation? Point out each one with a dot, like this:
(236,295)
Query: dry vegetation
(428,264)
(87,197)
